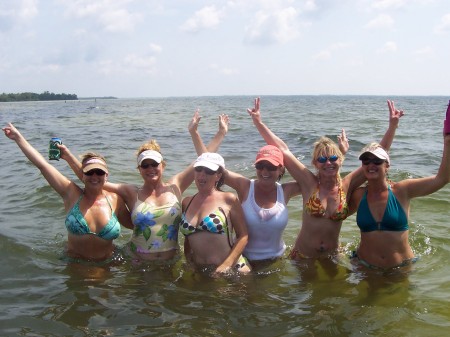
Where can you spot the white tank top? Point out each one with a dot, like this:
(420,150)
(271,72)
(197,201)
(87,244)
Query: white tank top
(265,226)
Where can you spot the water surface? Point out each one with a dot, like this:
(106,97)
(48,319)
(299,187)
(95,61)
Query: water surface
(43,295)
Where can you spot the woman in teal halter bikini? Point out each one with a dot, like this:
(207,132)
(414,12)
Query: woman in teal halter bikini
(383,208)
(94,215)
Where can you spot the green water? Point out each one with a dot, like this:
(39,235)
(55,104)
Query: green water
(42,295)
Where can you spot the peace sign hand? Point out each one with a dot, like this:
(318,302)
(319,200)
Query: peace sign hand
(394,114)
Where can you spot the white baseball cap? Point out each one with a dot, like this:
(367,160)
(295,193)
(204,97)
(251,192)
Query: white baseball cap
(210,160)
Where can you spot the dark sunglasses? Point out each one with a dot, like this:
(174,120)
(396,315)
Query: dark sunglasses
(96,171)
(204,169)
(147,165)
(323,159)
(268,167)
(376,161)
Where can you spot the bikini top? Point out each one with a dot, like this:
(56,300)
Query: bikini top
(314,206)
(155,227)
(77,224)
(215,222)
(394,217)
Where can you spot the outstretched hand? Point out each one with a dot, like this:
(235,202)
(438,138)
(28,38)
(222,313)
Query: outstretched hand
(193,124)
(394,114)
(254,112)
(343,142)
(224,120)
(10,131)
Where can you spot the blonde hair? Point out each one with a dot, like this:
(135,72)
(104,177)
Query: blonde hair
(325,147)
(150,145)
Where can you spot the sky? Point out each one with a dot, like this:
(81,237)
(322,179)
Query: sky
(153,48)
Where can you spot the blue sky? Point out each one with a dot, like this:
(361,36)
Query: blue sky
(147,48)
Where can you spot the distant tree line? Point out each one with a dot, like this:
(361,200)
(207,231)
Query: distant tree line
(31,96)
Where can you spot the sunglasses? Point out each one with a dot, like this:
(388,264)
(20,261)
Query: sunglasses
(323,159)
(96,171)
(376,161)
(269,167)
(204,169)
(147,165)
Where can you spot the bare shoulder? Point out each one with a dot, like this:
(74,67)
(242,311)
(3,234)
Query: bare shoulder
(400,188)
(112,197)
(229,198)
(186,201)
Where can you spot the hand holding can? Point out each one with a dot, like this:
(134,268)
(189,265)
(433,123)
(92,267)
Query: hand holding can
(54,153)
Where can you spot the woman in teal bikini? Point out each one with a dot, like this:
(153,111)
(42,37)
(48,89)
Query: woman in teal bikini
(93,214)
(383,208)
(208,219)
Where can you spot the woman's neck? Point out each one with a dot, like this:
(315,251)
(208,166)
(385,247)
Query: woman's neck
(93,194)
(266,187)
(377,186)
(149,187)
(328,182)
(205,193)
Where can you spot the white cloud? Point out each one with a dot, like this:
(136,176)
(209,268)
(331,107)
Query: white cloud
(388,4)
(223,70)
(328,52)
(310,5)
(444,25)
(106,67)
(388,47)
(381,21)
(424,51)
(112,15)
(140,63)
(278,26)
(396,4)
(28,9)
(17,12)
(155,48)
(205,18)
(322,55)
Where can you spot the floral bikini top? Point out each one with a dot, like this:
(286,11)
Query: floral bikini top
(314,206)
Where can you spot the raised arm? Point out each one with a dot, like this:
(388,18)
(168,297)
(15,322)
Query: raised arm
(236,181)
(186,177)
(394,119)
(55,179)
(267,134)
(357,176)
(213,146)
(424,186)
(297,170)
(73,162)
(343,142)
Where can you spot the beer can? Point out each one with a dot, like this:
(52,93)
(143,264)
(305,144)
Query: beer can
(54,153)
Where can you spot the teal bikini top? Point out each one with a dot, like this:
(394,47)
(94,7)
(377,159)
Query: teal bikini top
(394,217)
(76,223)
(215,222)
